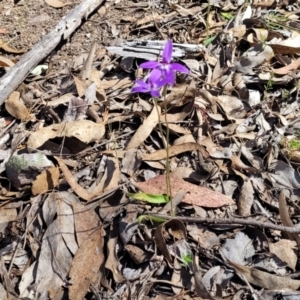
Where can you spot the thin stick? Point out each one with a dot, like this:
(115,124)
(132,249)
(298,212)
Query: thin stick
(231,221)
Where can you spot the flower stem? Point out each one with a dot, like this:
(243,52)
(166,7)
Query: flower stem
(166,146)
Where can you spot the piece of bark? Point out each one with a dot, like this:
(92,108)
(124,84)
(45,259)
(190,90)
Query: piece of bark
(150,50)
(16,74)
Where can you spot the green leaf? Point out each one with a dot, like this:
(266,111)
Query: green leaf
(153,219)
(209,40)
(187,259)
(226,15)
(150,198)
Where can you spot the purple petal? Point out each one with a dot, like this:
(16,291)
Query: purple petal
(176,67)
(155,76)
(149,65)
(167,52)
(140,87)
(170,77)
(155,93)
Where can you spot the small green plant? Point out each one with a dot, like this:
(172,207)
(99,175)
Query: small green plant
(228,16)
(186,259)
(209,40)
(150,218)
(270,83)
(285,94)
(294,145)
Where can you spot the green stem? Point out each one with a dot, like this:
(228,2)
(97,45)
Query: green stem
(166,146)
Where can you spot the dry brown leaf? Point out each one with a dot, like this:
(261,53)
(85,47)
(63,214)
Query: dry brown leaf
(174,150)
(16,108)
(246,199)
(285,70)
(80,191)
(84,130)
(178,232)
(86,265)
(285,250)
(110,178)
(57,3)
(112,258)
(5,62)
(81,85)
(6,48)
(266,280)
(286,219)
(47,180)
(7,215)
(145,129)
(196,195)
(199,285)
(236,163)
(150,18)
(86,221)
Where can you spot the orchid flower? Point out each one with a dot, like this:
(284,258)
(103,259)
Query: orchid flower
(167,68)
(153,84)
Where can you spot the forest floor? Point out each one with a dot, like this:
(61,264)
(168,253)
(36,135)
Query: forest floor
(106,193)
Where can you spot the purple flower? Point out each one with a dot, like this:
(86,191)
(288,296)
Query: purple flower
(167,68)
(152,86)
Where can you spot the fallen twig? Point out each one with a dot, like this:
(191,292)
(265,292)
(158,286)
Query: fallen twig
(231,221)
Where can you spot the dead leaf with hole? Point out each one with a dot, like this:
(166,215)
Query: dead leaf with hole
(57,3)
(7,48)
(84,130)
(47,180)
(86,265)
(16,108)
(196,195)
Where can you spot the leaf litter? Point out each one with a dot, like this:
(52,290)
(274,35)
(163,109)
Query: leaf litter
(79,151)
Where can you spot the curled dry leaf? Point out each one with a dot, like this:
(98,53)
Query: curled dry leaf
(173,227)
(145,129)
(5,62)
(7,48)
(16,108)
(196,195)
(199,285)
(84,130)
(80,191)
